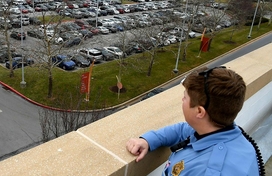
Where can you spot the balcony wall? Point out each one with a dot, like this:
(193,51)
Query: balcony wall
(99,148)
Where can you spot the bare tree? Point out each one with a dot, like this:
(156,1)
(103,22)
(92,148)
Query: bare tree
(5,24)
(240,10)
(57,122)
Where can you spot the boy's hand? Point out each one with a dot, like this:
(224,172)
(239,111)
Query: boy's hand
(138,147)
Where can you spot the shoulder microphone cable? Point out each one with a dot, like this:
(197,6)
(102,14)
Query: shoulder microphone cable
(258,152)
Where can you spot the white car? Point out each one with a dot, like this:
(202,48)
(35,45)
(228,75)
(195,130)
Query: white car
(49,30)
(192,34)
(115,50)
(56,39)
(103,30)
(172,39)
(176,30)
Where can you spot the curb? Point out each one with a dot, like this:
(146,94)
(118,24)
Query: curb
(7,87)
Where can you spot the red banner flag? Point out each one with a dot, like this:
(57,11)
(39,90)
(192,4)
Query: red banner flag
(84,88)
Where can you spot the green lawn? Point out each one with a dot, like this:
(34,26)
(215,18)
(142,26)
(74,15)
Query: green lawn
(134,77)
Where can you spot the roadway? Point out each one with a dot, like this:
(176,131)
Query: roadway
(19,119)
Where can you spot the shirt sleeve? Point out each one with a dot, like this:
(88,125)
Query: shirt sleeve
(168,136)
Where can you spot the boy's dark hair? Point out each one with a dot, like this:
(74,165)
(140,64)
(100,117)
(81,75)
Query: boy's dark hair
(219,90)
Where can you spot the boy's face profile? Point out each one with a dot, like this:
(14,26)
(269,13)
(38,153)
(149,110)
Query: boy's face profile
(189,112)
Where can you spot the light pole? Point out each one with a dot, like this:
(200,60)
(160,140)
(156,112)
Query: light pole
(33,7)
(175,70)
(22,83)
(96,13)
(249,35)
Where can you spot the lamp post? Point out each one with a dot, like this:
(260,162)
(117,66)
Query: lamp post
(96,13)
(33,3)
(22,83)
(256,9)
(175,70)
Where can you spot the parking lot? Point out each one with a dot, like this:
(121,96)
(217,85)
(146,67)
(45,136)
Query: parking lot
(38,49)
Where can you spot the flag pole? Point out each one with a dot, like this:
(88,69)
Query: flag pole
(202,36)
(89,81)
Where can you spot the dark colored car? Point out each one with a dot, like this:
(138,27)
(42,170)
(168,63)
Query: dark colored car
(152,93)
(4,55)
(64,62)
(86,33)
(17,62)
(134,48)
(72,41)
(15,23)
(18,35)
(36,34)
(119,27)
(107,55)
(34,21)
(103,12)
(80,60)
(93,22)
(70,27)
(66,35)
(112,28)
(2,25)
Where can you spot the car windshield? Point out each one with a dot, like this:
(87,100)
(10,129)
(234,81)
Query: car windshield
(117,50)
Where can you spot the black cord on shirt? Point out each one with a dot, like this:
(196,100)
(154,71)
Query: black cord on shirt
(258,152)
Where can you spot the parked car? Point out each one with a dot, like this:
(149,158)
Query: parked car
(77,14)
(35,33)
(3,25)
(34,21)
(15,23)
(83,24)
(103,30)
(25,19)
(64,62)
(172,39)
(18,35)
(56,39)
(80,60)
(106,54)
(17,62)
(86,33)
(91,54)
(4,55)
(119,27)
(72,41)
(134,47)
(112,28)
(48,29)
(93,22)
(115,50)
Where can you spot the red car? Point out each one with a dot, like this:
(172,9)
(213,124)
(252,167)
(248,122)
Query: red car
(24,11)
(86,4)
(95,31)
(70,6)
(38,9)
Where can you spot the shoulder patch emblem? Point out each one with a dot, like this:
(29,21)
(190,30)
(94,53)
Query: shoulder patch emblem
(177,168)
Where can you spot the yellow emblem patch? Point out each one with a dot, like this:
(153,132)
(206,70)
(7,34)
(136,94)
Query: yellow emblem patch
(177,168)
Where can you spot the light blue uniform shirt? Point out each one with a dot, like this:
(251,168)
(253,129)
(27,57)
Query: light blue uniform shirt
(226,153)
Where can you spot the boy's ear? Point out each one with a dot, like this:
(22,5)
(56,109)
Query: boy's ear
(201,112)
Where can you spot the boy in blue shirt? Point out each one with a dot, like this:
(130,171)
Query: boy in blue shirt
(209,143)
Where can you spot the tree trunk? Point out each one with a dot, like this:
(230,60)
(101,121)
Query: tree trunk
(151,62)
(50,84)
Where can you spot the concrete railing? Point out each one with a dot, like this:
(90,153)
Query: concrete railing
(99,148)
